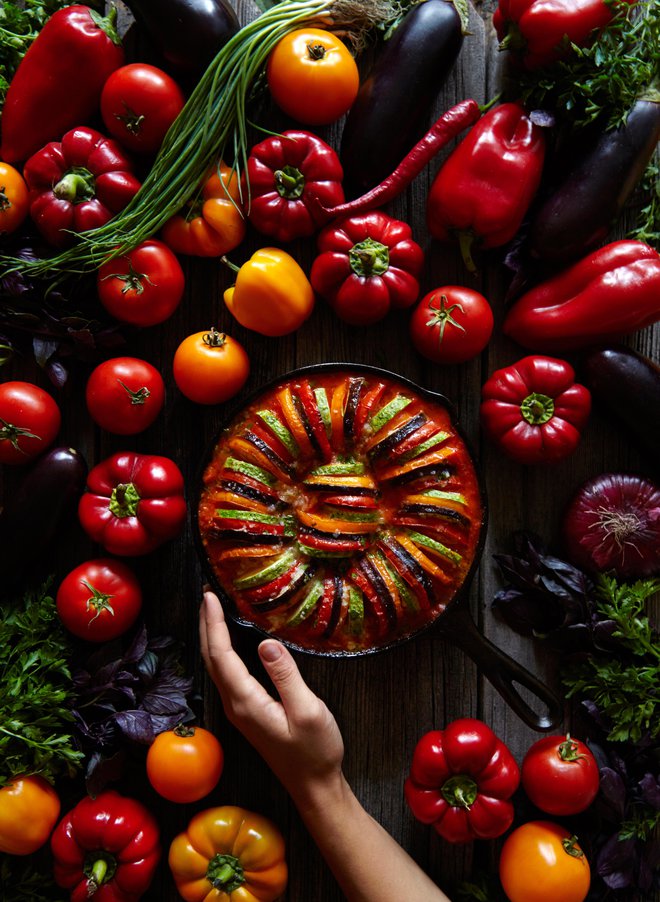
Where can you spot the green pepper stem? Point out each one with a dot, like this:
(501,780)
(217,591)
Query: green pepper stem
(290,182)
(537,409)
(76,185)
(369,258)
(460,791)
(124,500)
(225,873)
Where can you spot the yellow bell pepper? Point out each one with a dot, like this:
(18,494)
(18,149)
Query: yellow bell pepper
(228,854)
(272,294)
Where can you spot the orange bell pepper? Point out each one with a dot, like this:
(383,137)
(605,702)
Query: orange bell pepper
(29,809)
(213,223)
(228,853)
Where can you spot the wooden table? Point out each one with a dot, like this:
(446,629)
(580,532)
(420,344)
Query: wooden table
(383,703)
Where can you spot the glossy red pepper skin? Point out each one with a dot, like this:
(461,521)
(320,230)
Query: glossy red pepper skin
(106,849)
(59,81)
(609,293)
(539,32)
(133,503)
(78,184)
(366,265)
(534,410)
(284,172)
(486,185)
(461,780)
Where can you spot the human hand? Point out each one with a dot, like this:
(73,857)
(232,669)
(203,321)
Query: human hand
(297,737)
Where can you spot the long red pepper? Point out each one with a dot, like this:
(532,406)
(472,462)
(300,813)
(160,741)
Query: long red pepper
(444,129)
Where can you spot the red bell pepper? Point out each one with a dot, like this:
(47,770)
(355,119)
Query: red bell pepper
(78,184)
(134,502)
(461,780)
(487,183)
(284,172)
(366,265)
(534,410)
(106,849)
(59,81)
(539,32)
(609,293)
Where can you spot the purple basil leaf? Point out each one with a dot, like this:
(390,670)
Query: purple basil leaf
(138,647)
(167,695)
(57,373)
(616,862)
(160,723)
(43,349)
(147,666)
(612,795)
(136,725)
(102,770)
(650,791)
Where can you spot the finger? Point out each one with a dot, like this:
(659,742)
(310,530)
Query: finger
(230,674)
(287,679)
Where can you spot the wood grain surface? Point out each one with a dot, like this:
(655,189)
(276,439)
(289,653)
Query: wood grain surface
(383,703)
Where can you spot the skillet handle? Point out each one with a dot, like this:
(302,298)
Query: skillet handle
(502,672)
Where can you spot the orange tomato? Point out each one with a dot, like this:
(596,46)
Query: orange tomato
(541,862)
(29,809)
(312,76)
(184,764)
(14,198)
(210,367)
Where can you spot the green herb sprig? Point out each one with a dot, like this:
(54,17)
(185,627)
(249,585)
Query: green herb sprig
(37,691)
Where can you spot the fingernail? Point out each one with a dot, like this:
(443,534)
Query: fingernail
(270,651)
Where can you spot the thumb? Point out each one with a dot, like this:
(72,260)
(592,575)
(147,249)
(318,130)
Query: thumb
(287,679)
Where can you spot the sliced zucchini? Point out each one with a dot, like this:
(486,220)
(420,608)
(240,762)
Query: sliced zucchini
(278,429)
(265,574)
(386,413)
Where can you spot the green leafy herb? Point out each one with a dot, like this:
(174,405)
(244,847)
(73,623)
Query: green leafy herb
(606,78)
(35,706)
(19,26)
(648,219)
(627,692)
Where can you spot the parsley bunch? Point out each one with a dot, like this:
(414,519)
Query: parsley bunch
(36,721)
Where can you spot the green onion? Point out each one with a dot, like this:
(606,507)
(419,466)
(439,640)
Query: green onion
(212,123)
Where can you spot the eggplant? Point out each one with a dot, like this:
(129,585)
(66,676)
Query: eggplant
(393,104)
(187,33)
(35,514)
(578,215)
(627,385)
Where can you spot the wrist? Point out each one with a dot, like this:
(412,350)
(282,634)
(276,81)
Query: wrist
(321,794)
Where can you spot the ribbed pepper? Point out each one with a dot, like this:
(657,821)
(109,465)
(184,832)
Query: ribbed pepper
(272,294)
(284,173)
(486,185)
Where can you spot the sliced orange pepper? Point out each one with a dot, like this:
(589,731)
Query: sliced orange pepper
(430,566)
(241,502)
(434,457)
(294,421)
(386,576)
(248,551)
(337,410)
(248,452)
(341,480)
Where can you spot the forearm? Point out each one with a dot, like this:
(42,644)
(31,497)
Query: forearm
(368,864)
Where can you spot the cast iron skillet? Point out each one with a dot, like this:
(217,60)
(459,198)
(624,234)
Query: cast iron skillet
(454,621)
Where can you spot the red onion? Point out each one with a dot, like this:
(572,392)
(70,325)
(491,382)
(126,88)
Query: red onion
(613,524)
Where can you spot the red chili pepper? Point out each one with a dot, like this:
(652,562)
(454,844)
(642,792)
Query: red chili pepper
(134,502)
(59,81)
(534,410)
(283,173)
(461,780)
(106,848)
(445,129)
(539,32)
(367,264)
(78,184)
(484,188)
(609,293)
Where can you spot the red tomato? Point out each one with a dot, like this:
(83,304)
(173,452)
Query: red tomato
(14,198)
(29,421)
(451,324)
(312,76)
(184,764)
(99,600)
(138,104)
(541,862)
(210,367)
(125,395)
(560,775)
(143,287)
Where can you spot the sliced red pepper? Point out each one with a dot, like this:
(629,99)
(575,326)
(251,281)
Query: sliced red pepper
(272,441)
(416,581)
(324,609)
(420,435)
(273,588)
(366,405)
(376,602)
(248,527)
(330,543)
(317,426)
(363,502)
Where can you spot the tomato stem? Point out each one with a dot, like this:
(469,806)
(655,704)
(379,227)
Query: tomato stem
(133,279)
(100,601)
(11,433)
(137,397)
(316,51)
(213,338)
(440,316)
(568,750)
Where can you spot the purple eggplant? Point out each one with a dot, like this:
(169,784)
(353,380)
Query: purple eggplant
(627,385)
(393,105)
(579,213)
(36,512)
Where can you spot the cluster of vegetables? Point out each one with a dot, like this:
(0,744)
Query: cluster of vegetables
(121,204)
(461,782)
